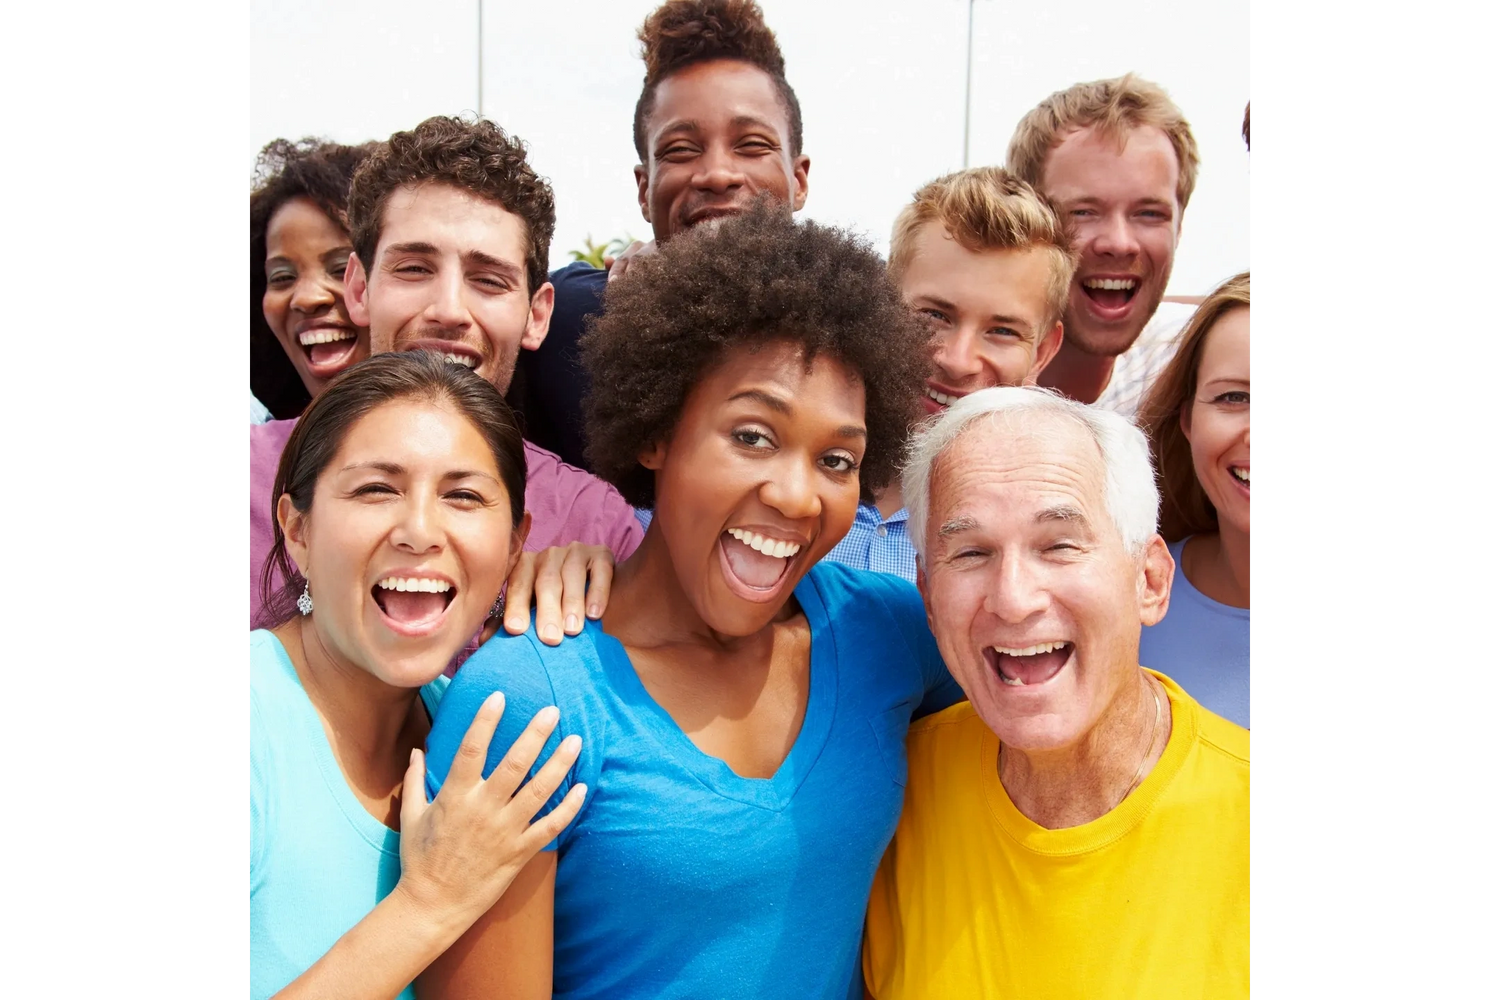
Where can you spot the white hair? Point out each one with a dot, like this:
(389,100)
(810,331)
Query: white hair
(1130,494)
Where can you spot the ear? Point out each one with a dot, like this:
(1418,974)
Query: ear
(294,529)
(1154,589)
(518,538)
(653,457)
(1045,352)
(643,189)
(540,319)
(926,599)
(356,291)
(800,166)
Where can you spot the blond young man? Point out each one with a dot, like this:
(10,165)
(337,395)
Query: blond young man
(989,264)
(1118,161)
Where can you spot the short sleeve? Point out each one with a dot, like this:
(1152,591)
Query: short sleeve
(514,666)
(904,603)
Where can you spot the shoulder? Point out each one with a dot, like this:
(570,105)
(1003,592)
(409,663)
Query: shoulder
(1224,737)
(847,590)
(578,289)
(934,732)
(271,434)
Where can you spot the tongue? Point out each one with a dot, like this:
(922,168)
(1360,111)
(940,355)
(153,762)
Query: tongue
(1033,669)
(1109,298)
(754,569)
(413,607)
(322,354)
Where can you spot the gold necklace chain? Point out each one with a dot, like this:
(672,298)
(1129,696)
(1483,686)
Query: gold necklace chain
(1155,726)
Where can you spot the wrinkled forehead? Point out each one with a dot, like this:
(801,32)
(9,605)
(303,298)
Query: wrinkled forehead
(1016,464)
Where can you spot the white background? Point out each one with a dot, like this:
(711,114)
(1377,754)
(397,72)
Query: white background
(881,84)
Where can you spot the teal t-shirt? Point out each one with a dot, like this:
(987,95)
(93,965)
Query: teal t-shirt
(318,860)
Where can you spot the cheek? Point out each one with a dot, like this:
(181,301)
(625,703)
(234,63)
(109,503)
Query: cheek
(274,306)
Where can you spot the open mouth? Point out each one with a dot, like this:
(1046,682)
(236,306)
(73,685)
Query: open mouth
(1111,294)
(756,566)
(454,354)
(1030,665)
(328,348)
(413,605)
(1241,474)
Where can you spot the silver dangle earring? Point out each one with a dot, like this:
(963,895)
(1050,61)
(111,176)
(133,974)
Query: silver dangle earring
(304,603)
(498,609)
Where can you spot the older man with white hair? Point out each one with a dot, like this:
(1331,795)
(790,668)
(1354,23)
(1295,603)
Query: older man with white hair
(1080,826)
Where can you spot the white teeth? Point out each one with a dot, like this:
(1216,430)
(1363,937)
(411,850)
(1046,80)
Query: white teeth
(764,545)
(940,398)
(417,583)
(461,359)
(1243,475)
(1044,647)
(324,336)
(1111,284)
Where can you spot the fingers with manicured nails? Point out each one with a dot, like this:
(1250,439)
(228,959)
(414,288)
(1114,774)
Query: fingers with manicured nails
(507,775)
(413,789)
(575,567)
(468,759)
(550,775)
(547,588)
(601,575)
(518,594)
(545,830)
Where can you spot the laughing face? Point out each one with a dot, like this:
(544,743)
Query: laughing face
(1036,604)
(1123,209)
(1217,420)
(450,276)
(716,139)
(306,253)
(406,543)
(988,312)
(759,480)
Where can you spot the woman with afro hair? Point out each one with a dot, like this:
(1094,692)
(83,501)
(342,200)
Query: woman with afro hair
(743,706)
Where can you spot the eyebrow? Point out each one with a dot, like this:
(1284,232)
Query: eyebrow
(469,256)
(1061,512)
(943,303)
(957,526)
(393,469)
(781,406)
(744,121)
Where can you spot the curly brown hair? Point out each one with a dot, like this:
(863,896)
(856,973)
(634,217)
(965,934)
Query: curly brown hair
(477,157)
(1185,507)
(309,168)
(680,33)
(754,279)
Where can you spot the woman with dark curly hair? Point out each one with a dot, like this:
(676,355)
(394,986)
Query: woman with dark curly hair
(743,706)
(1197,418)
(300,332)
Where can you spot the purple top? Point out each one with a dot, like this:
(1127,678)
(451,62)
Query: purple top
(566,505)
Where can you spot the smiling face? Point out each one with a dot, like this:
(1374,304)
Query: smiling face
(450,275)
(759,480)
(1036,604)
(306,253)
(1126,222)
(988,311)
(717,137)
(1217,419)
(406,543)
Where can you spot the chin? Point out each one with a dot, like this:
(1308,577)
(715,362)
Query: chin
(1034,731)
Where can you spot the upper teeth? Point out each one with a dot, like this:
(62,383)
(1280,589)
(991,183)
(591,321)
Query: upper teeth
(768,546)
(1045,647)
(1111,284)
(461,359)
(324,335)
(942,399)
(1243,475)
(415,583)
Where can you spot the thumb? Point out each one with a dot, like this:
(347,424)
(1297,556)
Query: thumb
(414,790)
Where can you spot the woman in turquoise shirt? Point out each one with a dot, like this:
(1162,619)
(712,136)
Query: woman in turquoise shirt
(399,516)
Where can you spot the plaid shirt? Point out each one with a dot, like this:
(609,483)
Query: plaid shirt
(873,543)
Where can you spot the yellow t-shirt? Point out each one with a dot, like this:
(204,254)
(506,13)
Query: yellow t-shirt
(1150,900)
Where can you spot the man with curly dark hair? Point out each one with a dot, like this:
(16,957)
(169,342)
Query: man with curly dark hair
(743,703)
(716,125)
(451,229)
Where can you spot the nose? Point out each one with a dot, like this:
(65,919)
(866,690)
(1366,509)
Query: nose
(1015,593)
(718,171)
(790,490)
(417,529)
(446,307)
(1114,237)
(956,356)
(312,294)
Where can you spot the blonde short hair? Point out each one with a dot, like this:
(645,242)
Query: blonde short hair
(989,208)
(1114,107)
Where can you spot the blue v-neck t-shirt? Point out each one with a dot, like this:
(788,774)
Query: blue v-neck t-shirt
(679,878)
